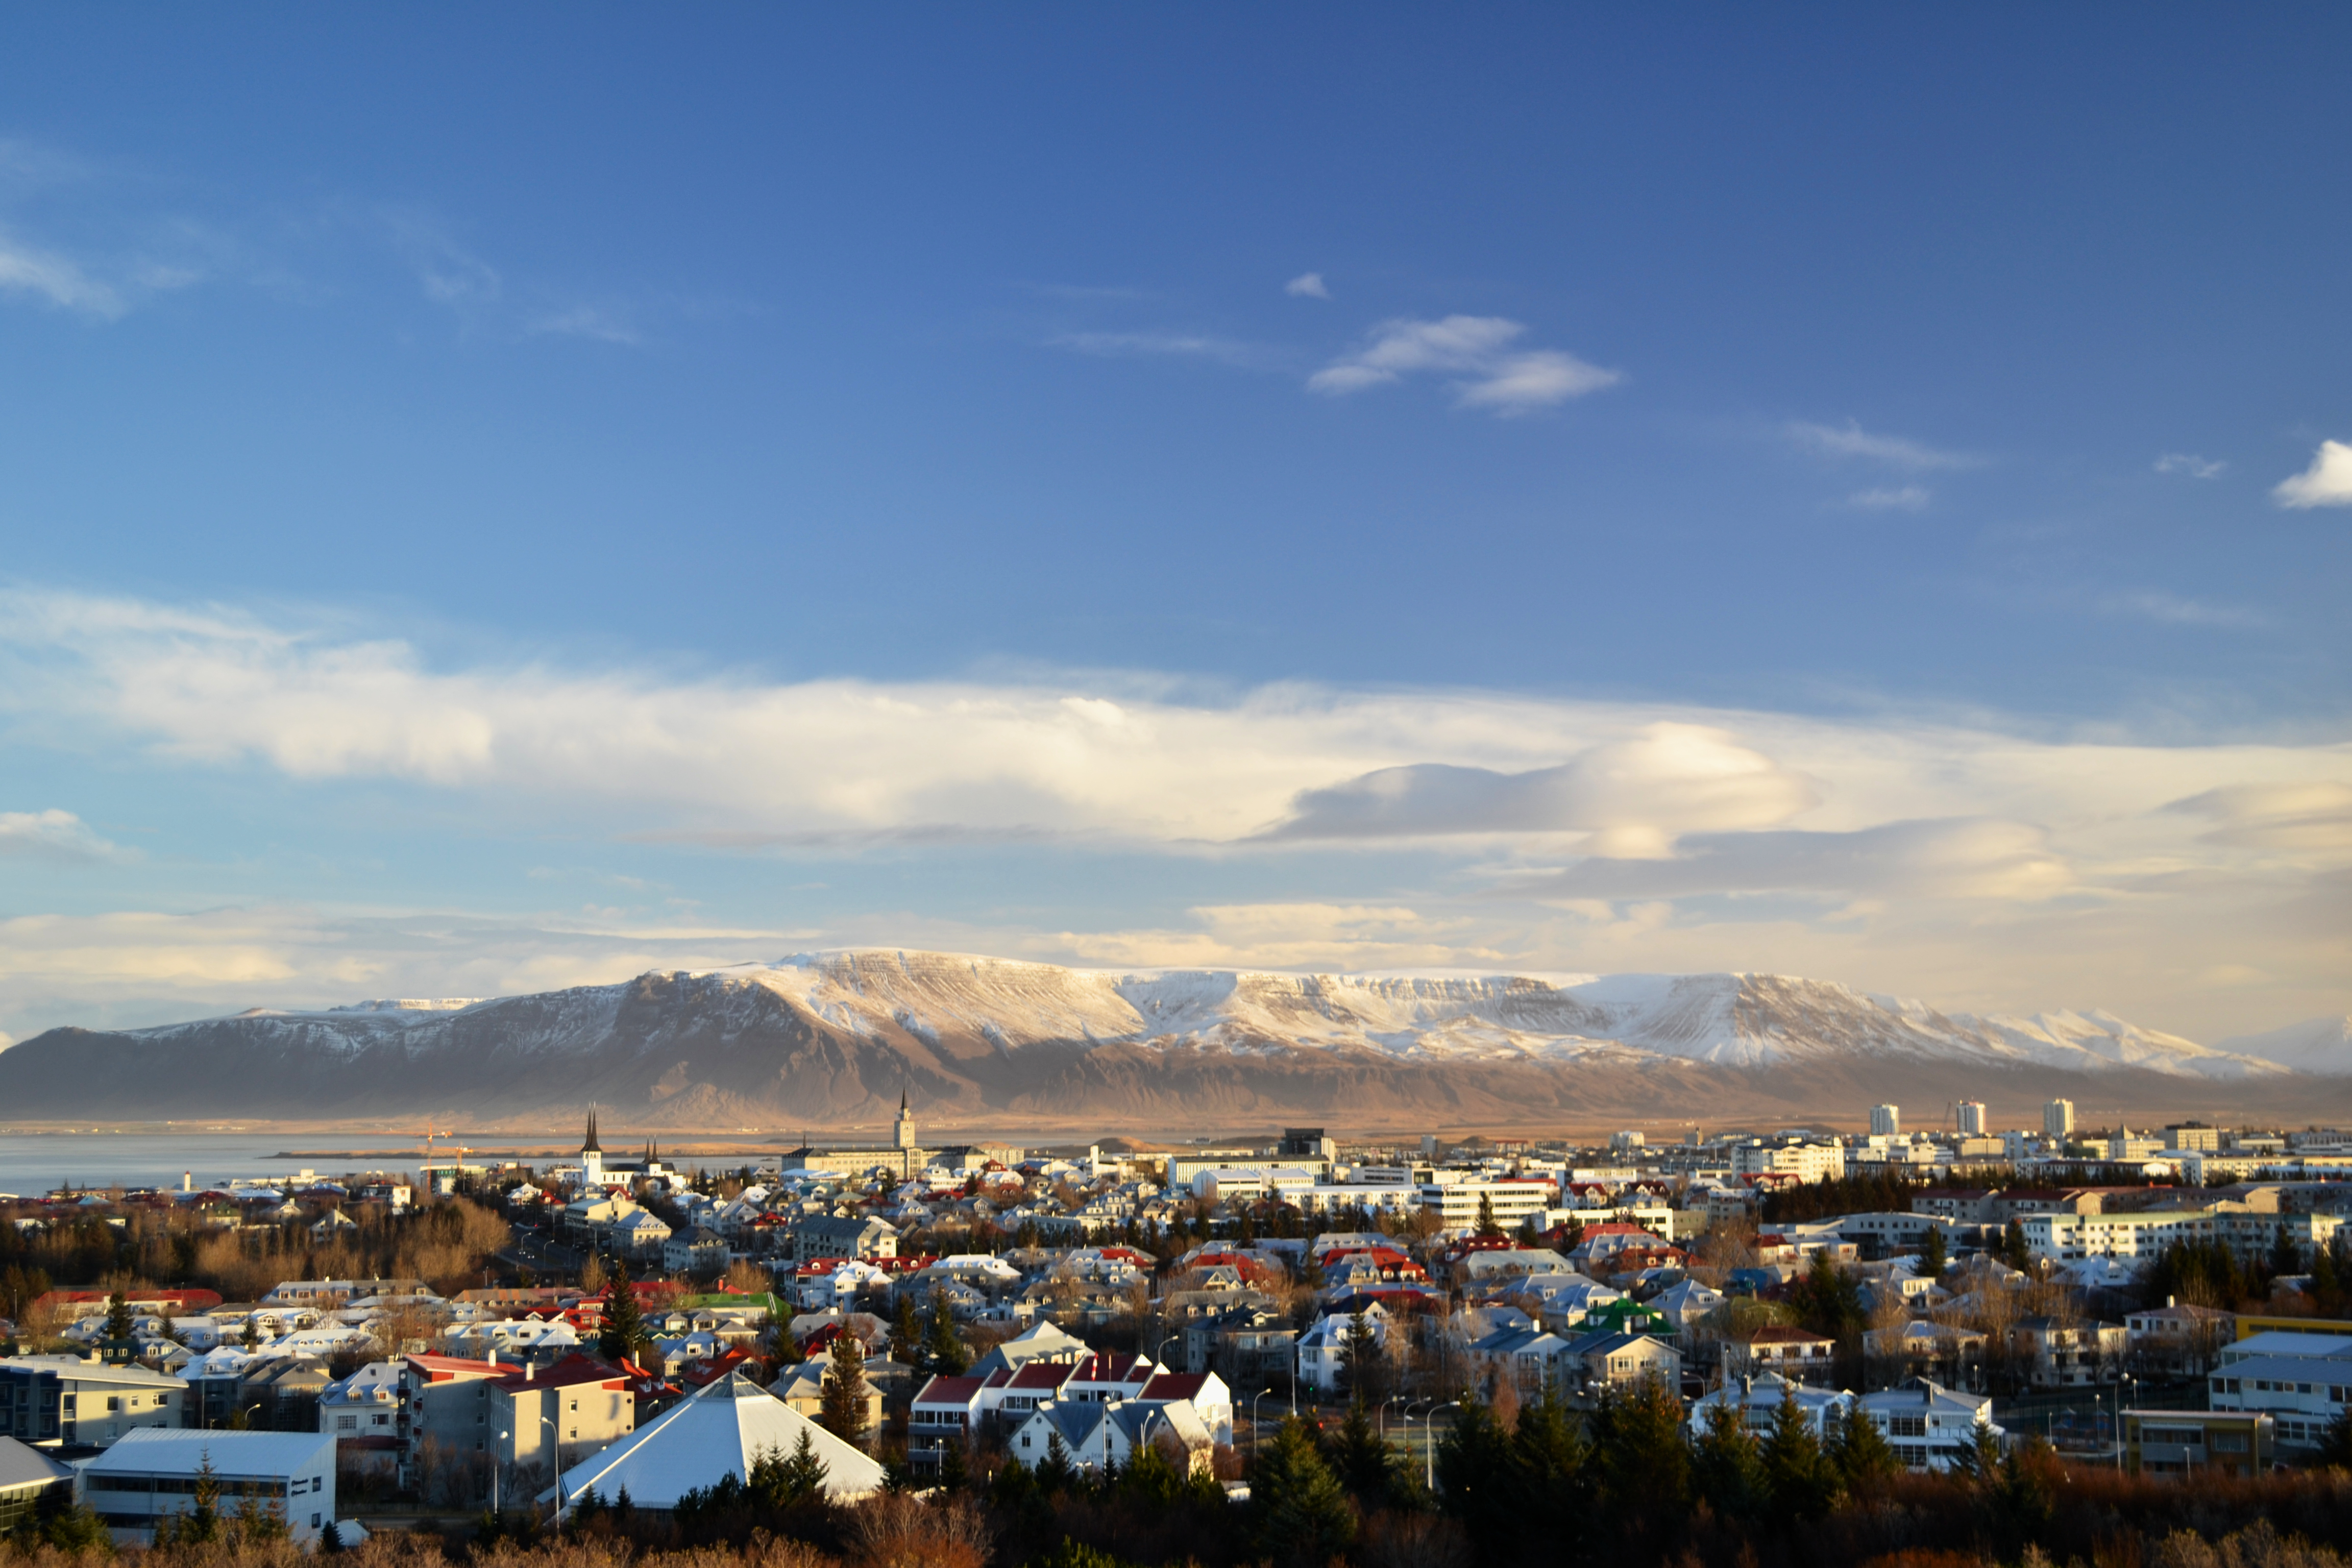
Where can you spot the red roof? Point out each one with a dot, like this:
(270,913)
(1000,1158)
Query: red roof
(1042,1374)
(1175,1386)
(573,1370)
(955,1391)
(442,1367)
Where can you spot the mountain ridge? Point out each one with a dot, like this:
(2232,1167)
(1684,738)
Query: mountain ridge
(838,1035)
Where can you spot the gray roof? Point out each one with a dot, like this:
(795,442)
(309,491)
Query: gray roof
(24,1469)
(171,1451)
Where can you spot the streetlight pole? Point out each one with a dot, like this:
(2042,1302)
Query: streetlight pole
(1255,1443)
(494,1479)
(1429,1449)
(555,1459)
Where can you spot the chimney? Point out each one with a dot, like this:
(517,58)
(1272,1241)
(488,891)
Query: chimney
(2172,1301)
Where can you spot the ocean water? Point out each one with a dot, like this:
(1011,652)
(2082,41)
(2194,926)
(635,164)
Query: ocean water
(32,1163)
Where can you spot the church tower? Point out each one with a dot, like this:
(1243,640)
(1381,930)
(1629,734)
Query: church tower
(591,1156)
(903,1134)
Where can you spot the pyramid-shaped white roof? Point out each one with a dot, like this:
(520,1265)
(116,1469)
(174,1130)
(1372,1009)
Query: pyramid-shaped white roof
(724,1428)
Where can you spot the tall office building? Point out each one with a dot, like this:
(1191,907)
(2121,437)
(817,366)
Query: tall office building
(1972,1119)
(2058,1118)
(1886,1121)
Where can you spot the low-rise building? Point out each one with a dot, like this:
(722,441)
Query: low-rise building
(2182,1442)
(1927,1425)
(2303,1395)
(829,1235)
(945,1413)
(1590,1362)
(2061,1352)
(700,1251)
(151,1476)
(2174,1340)
(1799,1355)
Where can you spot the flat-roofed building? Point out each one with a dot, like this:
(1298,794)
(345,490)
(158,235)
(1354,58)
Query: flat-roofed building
(152,1475)
(2181,1442)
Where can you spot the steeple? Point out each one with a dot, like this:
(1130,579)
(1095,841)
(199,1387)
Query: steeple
(903,1134)
(590,1142)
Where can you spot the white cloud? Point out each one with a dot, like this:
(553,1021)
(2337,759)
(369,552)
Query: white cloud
(2327,482)
(2189,463)
(1853,441)
(1478,350)
(53,836)
(60,280)
(2313,818)
(1965,864)
(1308,285)
(1974,858)
(1177,346)
(2154,604)
(598,323)
(1634,795)
(449,274)
(1905,497)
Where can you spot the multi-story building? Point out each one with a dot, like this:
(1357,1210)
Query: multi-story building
(2179,1442)
(1804,1162)
(2059,1352)
(2173,1339)
(827,1236)
(1927,1425)
(2058,1118)
(517,1417)
(1885,1121)
(2066,1238)
(1455,1202)
(65,1399)
(1972,1118)
(2192,1135)
(1798,1354)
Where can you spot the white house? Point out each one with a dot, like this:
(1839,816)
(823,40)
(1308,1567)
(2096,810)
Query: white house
(1322,1349)
(1926,1424)
(1093,1434)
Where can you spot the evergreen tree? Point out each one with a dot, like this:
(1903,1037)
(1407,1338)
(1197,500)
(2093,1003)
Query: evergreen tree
(119,1321)
(1551,1472)
(1571,1235)
(1299,1514)
(1933,1257)
(201,1523)
(906,1330)
(1363,1460)
(1359,1359)
(1473,1466)
(943,1348)
(625,1325)
(1728,1463)
(1863,1455)
(2335,1447)
(1056,1474)
(1801,1478)
(954,1473)
(844,1409)
(1488,1225)
(2286,1257)
(251,1338)
(1644,1462)
(1979,1457)
(2014,1252)
(787,1481)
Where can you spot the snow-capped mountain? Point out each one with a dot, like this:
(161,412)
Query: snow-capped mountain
(2316,1045)
(839,1034)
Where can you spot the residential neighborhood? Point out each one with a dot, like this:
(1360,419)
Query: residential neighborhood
(928,1321)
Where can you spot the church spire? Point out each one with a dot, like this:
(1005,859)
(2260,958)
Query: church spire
(590,1142)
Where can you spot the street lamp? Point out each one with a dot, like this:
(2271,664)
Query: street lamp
(555,1459)
(1392,1399)
(1429,1445)
(1255,1441)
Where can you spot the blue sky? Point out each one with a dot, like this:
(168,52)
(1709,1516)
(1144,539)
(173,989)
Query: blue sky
(512,502)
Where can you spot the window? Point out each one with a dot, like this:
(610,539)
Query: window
(2229,1442)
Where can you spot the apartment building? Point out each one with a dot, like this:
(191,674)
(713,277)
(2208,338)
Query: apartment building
(65,1399)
